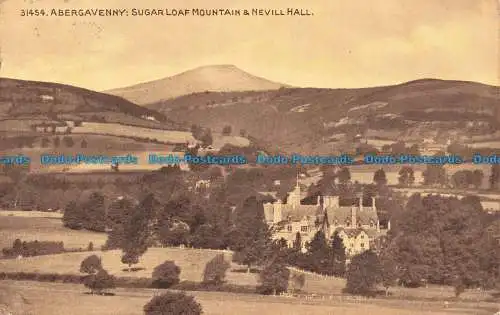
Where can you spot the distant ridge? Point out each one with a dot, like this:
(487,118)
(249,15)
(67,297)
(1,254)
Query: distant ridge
(213,78)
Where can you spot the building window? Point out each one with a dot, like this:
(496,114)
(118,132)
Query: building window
(289,228)
(304,228)
(347,223)
(362,236)
(362,245)
(371,224)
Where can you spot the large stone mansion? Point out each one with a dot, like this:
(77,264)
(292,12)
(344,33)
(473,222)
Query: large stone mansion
(358,226)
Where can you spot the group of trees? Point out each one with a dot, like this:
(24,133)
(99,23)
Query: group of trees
(443,240)
(87,214)
(165,275)
(33,248)
(202,134)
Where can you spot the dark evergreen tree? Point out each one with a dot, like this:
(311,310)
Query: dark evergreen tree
(379,177)
(73,217)
(95,212)
(364,274)
(252,235)
(297,244)
(494,176)
(338,255)
(136,236)
(318,255)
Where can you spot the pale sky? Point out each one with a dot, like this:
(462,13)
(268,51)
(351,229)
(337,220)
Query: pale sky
(347,43)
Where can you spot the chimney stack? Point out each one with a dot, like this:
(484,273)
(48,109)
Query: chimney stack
(354,217)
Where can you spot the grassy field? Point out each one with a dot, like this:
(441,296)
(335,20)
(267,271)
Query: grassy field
(45,229)
(58,299)
(191,261)
(124,130)
(30,214)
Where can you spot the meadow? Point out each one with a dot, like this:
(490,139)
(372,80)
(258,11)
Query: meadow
(127,131)
(62,299)
(34,228)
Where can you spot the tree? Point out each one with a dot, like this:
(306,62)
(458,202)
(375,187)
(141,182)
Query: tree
(434,174)
(92,264)
(215,270)
(207,139)
(297,244)
(318,257)
(494,176)
(45,142)
(100,282)
(135,237)
(57,142)
(344,175)
(364,274)
(461,179)
(251,235)
(297,281)
(166,275)
(68,141)
(398,148)
(389,268)
(338,255)
(95,212)
(73,216)
(414,149)
(119,212)
(173,303)
(379,177)
(226,131)
(406,176)
(83,144)
(274,278)
(477,178)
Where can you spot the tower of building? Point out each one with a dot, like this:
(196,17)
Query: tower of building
(294,196)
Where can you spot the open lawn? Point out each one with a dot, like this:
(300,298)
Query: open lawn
(191,261)
(58,299)
(45,229)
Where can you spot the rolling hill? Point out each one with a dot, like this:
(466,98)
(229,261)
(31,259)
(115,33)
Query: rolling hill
(215,78)
(311,120)
(25,102)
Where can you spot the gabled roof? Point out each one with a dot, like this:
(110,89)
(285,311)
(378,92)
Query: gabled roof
(343,214)
(299,211)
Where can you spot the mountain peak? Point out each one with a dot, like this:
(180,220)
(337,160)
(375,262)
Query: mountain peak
(214,78)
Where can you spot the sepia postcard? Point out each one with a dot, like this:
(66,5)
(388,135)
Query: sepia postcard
(283,157)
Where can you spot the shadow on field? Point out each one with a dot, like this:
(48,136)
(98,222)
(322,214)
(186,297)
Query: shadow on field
(102,293)
(133,269)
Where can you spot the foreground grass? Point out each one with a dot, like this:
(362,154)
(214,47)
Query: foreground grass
(59,299)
